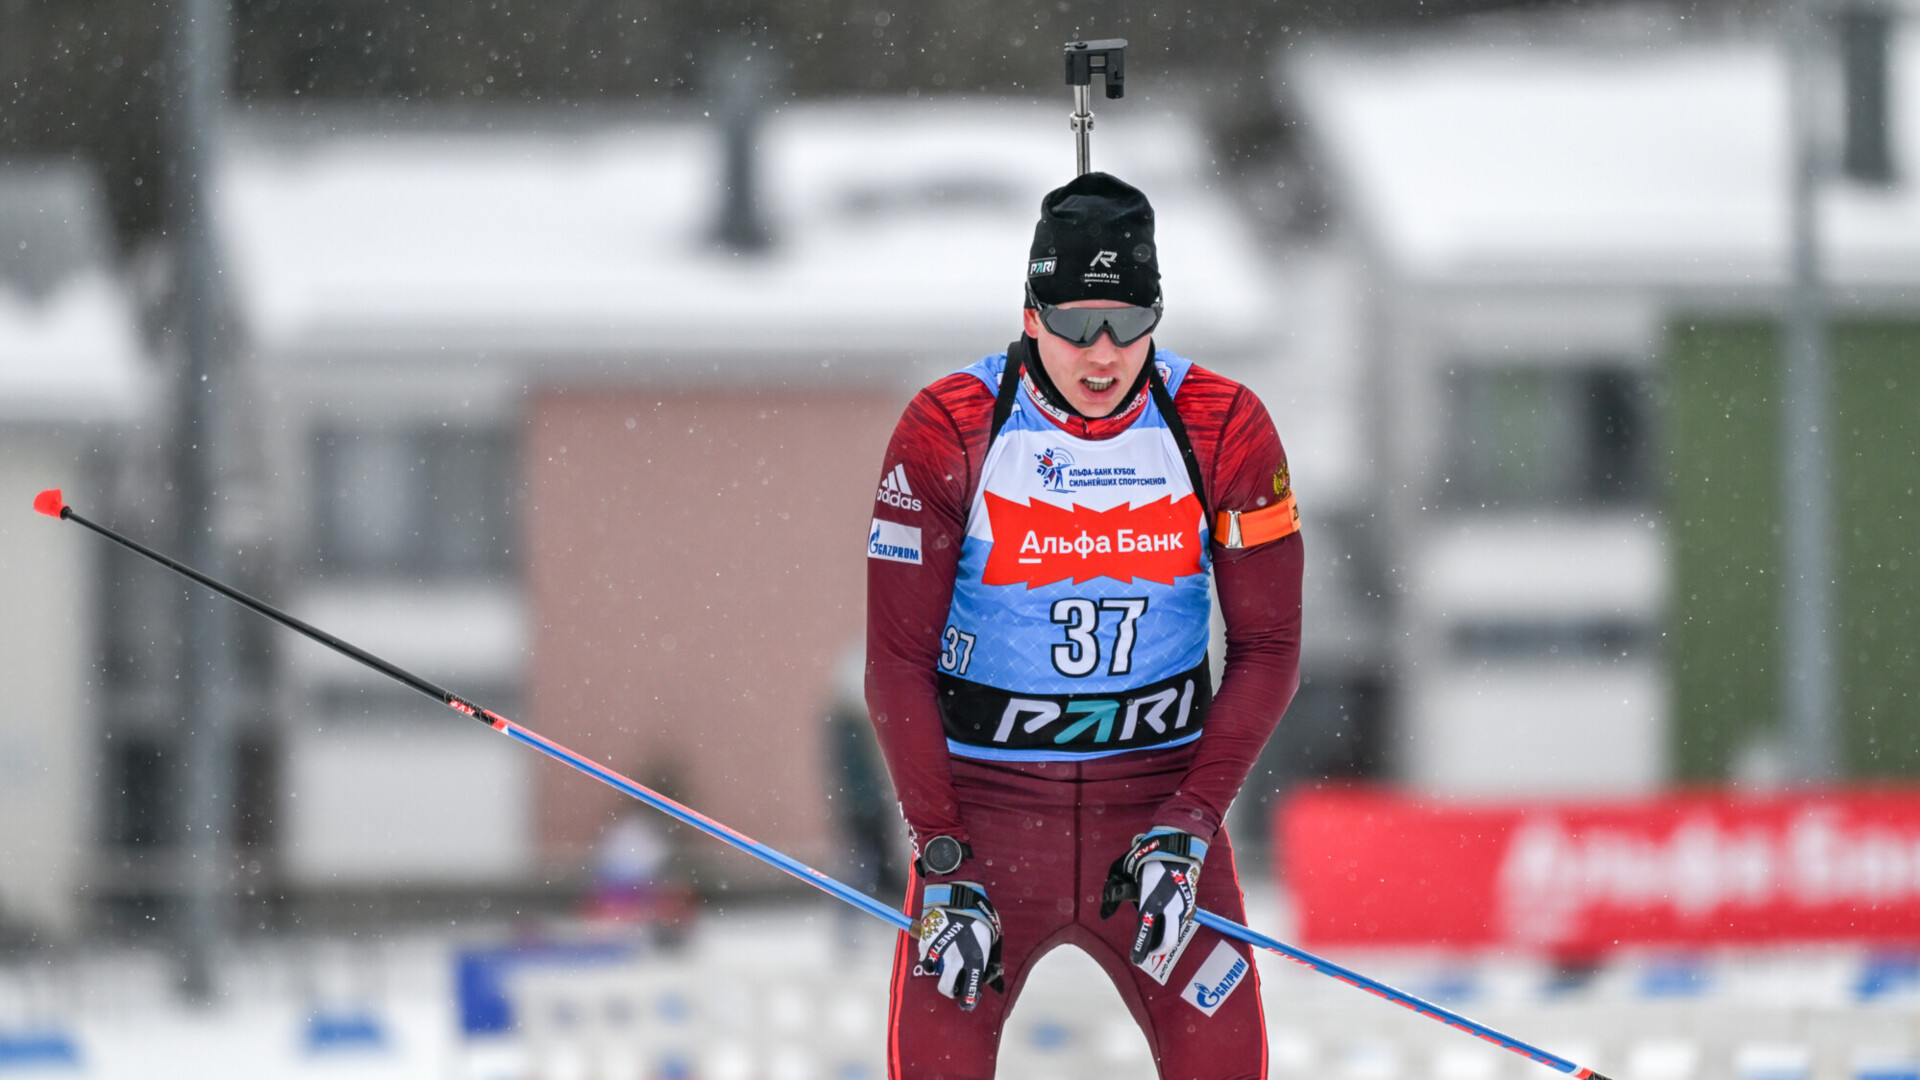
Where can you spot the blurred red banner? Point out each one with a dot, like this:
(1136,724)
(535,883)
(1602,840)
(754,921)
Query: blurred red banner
(1369,867)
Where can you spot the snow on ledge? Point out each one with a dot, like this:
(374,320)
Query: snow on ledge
(73,356)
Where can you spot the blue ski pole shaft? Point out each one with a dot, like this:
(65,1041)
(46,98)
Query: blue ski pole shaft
(1399,997)
(836,889)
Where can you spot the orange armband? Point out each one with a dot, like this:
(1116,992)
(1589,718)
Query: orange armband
(1251,528)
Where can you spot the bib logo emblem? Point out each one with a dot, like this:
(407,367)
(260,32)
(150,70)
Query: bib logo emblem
(1053,469)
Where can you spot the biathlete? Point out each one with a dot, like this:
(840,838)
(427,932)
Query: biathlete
(1037,673)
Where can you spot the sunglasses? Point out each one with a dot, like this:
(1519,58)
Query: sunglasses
(1082,326)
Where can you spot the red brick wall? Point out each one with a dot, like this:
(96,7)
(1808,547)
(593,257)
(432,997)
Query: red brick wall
(696,568)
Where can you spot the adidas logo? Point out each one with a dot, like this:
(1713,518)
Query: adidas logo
(896,492)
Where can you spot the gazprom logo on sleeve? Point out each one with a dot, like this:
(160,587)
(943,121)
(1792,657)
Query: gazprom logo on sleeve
(894,542)
(1216,979)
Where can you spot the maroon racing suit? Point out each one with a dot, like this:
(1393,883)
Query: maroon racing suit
(1044,833)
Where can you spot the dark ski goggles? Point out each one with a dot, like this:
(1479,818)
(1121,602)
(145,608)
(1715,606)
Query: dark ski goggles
(1082,326)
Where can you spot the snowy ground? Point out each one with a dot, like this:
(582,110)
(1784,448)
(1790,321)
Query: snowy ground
(745,1000)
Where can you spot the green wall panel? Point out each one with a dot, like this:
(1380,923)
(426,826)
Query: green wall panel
(1721,492)
(1876,461)
(1722,489)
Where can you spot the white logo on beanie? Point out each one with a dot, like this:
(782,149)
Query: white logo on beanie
(1104,258)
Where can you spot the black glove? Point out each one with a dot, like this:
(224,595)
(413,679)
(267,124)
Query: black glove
(1161,875)
(959,936)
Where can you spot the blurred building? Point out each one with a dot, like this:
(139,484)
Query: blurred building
(71,378)
(554,421)
(1559,270)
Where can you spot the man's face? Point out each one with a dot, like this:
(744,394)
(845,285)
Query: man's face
(1092,379)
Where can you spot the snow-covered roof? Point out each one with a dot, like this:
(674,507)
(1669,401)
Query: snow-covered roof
(899,227)
(69,341)
(1662,165)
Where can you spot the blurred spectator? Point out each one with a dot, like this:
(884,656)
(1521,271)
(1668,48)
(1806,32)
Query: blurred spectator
(865,816)
(633,882)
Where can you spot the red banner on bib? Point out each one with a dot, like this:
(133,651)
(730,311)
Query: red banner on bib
(1373,868)
(1039,543)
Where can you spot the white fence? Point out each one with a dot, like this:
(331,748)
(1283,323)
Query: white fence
(761,997)
(1776,1020)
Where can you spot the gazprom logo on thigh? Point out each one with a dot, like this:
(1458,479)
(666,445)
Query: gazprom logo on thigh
(894,542)
(1223,972)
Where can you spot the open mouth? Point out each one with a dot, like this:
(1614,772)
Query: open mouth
(1098,386)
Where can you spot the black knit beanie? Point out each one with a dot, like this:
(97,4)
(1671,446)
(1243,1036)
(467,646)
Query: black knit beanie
(1094,242)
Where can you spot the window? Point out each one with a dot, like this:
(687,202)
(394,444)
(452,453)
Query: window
(1537,435)
(1552,639)
(139,777)
(428,502)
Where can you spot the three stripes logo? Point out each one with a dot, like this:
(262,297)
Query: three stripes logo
(896,492)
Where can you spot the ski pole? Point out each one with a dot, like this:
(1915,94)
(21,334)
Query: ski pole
(1399,997)
(52,504)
